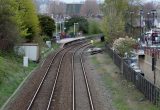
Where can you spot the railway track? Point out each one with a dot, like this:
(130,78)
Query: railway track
(86,82)
(56,87)
(41,96)
(82,98)
(42,100)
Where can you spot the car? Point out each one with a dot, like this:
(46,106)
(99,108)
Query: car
(94,50)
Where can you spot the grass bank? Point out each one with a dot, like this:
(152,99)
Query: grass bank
(124,94)
(12,72)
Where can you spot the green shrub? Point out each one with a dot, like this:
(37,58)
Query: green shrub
(45,38)
(47,25)
(94,27)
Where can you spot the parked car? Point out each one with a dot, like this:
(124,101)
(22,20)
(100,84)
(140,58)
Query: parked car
(136,68)
(95,50)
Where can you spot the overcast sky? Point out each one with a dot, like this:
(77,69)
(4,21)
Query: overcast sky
(71,1)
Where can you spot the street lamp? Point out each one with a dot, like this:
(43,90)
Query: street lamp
(131,13)
(75,28)
(141,21)
(148,23)
(63,25)
(154,13)
(57,37)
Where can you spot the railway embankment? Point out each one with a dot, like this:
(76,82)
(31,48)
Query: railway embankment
(13,74)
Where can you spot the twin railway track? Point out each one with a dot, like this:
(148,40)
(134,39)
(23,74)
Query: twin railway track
(59,88)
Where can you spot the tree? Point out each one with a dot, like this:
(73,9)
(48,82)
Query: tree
(56,8)
(94,27)
(29,16)
(10,24)
(47,25)
(90,8)
(82,23)
(113,25)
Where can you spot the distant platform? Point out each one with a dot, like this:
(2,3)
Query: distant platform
(66,40)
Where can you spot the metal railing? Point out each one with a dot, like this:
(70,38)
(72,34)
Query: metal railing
(150,91)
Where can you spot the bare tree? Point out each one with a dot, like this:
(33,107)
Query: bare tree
(57,8)
(90,8)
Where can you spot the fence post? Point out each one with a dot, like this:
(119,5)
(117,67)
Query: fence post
(122,65)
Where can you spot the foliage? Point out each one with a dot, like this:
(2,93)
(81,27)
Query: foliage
(82,23)
(94,27)
(113,25)
(18,20)
(123,45)
(47,25)
(12,73)
(45,38)
(28,14)
(8,22)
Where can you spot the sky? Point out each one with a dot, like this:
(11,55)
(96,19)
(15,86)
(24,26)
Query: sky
(71,1)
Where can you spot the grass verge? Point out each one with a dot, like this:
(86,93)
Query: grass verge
(124,94)
(12,72)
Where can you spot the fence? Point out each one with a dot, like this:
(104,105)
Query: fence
(5,44)
(150,91)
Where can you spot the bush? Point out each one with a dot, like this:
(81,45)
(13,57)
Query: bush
(45,38)
(94,27)
(47,25)
(82,23)
(123,45)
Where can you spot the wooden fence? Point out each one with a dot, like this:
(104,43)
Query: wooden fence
(5,45)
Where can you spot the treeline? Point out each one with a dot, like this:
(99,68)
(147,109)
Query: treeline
(117,18)
(19,22)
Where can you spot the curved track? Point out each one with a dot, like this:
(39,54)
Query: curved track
(44,95)
(82,98)
(60,84)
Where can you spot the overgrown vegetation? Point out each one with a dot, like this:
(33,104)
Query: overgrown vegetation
(124,45)
(113,24)
(47,25)
(12,73)
(117,18)
(94,27)
(18,21)
(82,24)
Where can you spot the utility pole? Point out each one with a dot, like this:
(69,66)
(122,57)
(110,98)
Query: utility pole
(131,13)
(75,28)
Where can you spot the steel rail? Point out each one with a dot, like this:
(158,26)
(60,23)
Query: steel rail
(86,82)
(55,82)
(73,77)
(46,73)
(42,81)
(40,85)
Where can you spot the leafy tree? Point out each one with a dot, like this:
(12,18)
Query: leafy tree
(47,25)
(82,23)
(113,25)
(28,14)
(10,24)
(94,27)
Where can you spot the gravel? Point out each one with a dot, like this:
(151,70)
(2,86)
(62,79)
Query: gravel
(101,94)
